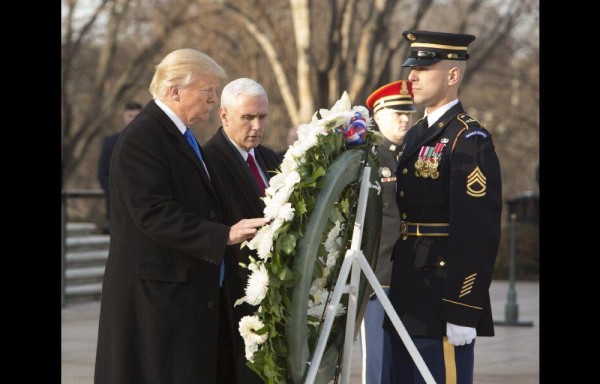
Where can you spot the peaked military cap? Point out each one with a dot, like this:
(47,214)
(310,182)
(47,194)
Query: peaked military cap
(397,96)
(427,48)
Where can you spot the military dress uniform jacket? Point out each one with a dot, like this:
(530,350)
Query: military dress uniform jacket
(390,221)
(439,279)
(159,314)
(244,202)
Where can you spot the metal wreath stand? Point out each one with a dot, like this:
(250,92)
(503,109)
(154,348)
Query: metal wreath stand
(355,261)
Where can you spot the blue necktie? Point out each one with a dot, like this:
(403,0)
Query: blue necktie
(192,140)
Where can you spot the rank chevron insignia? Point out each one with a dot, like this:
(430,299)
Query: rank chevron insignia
(476,183)
(467,285)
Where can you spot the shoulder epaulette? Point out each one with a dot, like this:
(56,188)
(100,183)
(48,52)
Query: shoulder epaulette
(468,121)
(472,127)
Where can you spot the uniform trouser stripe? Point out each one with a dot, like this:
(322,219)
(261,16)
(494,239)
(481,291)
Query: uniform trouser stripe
(449,362)
(446,362)
(363,345)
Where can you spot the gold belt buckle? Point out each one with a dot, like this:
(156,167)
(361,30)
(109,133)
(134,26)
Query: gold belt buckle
(403,227)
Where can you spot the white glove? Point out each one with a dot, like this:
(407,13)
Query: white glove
(459,335)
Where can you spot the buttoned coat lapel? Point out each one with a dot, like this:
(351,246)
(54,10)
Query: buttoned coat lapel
(232,160)
(184,146)
(412,144)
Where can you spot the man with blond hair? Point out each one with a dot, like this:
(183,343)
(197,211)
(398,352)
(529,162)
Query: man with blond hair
(163,315)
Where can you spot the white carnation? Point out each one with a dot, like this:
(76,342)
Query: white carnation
(258,284)
(334,233)
(332,258)
(339,310)
(316,311)
(262,242)
(286,213)
(289,163)
(343,104)
(274,204)
(276,181)
(247,327)
(291,179)
(250,350)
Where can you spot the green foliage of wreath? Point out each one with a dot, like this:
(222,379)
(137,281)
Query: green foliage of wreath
(268,359)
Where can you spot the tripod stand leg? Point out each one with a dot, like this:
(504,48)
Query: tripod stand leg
(355,261)
(340,288)
(389,309)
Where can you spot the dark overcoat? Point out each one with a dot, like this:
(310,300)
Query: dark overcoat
(439,279)
(108,144)
(243,200)
(160,297)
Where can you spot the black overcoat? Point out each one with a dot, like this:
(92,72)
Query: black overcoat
(244,202)
(160,296)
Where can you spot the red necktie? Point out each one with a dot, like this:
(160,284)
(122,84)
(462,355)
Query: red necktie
(257,177)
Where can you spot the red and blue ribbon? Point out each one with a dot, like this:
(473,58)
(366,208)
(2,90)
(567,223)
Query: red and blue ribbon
(355,133)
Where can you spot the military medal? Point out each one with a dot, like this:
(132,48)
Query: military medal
(429,160)
(421,162)
(435,159)
(432,165)
(386,172)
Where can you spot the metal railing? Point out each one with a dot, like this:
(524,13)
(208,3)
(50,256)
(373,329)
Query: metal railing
(65,195)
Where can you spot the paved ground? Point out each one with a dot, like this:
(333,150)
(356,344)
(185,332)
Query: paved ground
(512,356)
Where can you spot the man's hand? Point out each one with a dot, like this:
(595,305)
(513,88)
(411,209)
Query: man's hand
(459,335)
(245,229)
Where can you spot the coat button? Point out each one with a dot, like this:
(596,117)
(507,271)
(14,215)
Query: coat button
(212,214)
(210,304)
(401,193)
(404,215)
(404,171)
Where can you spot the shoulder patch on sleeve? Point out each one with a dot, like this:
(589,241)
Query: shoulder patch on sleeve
(476,132)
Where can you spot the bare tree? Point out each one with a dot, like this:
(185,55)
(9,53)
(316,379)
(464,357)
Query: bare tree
(103,63)
(305,53)
(350,44)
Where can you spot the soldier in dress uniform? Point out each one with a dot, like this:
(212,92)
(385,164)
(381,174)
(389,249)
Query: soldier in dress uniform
(448,191)
(393,111)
